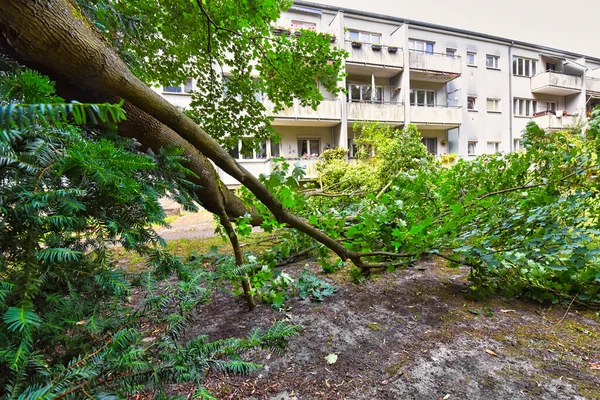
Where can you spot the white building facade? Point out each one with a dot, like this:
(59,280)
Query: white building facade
(468,93)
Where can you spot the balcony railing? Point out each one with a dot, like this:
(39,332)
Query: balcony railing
(375,54)
(435,65)
(376,111)
(556,83)
(592,85)
(552,121)
(439,115)
(328,109)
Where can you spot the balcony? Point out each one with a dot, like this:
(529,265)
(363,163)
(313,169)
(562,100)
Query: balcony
(548,121)
(436,117)
(434,67)
(556,83)
(328,113)
(391,113)
(387,61)
(592,85)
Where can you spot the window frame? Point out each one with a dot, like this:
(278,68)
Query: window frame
(496,102)
(308,140)
(496,146)
(433,140)
(451,52)
(474,143)
(495,61)
(517,146)
(378,89)
(474,106)
(239,155)
(524,107)
(364,37)
(474,63)
(414,99)
(524,67)
(426,44)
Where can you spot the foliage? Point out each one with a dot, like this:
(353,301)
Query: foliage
(383,151)
(72,325)
(526,223)
(236,36)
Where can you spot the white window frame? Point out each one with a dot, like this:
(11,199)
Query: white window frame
(421,46)
(308,140)
(356,35)
(362,86)
(240,156)
(517,144)
(473,151)
(522,66)
(474,108)
(495,145)
(474,54)
(524,107)
(414,96)
(496,105)
(185,88)
(492,61)
(549,105)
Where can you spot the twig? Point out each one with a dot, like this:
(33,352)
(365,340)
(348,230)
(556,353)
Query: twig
(566,312)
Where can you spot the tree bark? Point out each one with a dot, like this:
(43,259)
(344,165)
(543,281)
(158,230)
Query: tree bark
(54,34)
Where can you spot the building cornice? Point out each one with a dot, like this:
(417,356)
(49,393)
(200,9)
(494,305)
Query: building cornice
(457,31)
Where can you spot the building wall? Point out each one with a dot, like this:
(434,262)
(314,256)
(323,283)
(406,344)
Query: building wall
(393,72)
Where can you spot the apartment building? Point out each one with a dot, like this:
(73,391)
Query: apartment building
(468,93)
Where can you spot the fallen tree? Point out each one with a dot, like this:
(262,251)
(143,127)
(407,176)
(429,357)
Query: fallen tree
(54,37)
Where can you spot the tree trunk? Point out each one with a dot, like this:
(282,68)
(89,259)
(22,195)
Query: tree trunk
(47,33)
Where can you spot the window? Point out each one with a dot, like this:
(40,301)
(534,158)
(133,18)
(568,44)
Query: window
(185,88)
(365,37)
(303,25)
(517,144)
(492,61)
(493,105)
(471,102)
(430,144)
(364,93)
(551,106)
(471,147)
(524,67)
(275,152)
(493,147)
(422,98)
(309,147)
(471,58)
(524,107)
(352,148)
(550,67)
(421,46)
(246,151)
(228,82)
(450,52)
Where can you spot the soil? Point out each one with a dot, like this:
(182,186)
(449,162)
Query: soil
(411,334)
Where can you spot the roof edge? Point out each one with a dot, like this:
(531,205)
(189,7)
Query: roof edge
(442,27)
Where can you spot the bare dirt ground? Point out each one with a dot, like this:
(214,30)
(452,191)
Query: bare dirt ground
(412,334)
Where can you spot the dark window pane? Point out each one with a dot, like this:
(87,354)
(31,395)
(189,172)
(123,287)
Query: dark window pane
(355,92)
(172,89)
(302,148)
(275,149)
(188,85)
(234,153)
(315,148)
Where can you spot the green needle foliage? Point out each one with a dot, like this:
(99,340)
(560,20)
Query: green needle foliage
(71,323)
